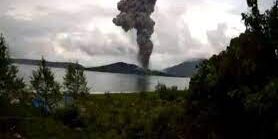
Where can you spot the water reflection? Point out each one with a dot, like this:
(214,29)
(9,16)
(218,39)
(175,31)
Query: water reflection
(142,83)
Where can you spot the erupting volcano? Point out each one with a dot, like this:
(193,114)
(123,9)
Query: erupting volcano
(136,14)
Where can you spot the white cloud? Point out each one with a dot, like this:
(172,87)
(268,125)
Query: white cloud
(70,30)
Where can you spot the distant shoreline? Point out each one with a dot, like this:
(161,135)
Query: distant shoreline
(119,68)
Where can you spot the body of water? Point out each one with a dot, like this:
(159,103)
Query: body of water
(100,82)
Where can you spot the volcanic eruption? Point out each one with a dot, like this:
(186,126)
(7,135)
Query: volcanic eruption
(135,14)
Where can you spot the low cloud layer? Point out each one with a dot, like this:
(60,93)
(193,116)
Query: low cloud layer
(66,30)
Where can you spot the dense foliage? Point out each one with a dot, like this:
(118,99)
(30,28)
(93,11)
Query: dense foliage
(103,117)
(235,94)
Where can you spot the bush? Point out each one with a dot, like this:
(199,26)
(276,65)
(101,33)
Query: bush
(70,116)
(169,94)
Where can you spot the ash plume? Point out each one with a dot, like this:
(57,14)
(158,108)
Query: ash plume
(136,14)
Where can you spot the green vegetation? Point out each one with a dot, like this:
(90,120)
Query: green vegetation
(233,95)
(11,90)
(45,86)
(104,117)
(75,81)
(9,82)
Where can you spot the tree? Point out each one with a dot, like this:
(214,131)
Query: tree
(235,93)
(9,82)
(75,81)
(45,86)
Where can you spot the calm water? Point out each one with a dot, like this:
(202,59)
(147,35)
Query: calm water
(100,82)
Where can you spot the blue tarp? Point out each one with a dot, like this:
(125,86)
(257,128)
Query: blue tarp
(39,102)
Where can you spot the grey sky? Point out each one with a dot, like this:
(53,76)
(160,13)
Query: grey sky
(70,30)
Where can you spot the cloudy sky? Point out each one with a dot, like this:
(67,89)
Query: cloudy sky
(70,30)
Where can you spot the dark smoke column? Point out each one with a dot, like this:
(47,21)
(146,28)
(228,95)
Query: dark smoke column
(136,14)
